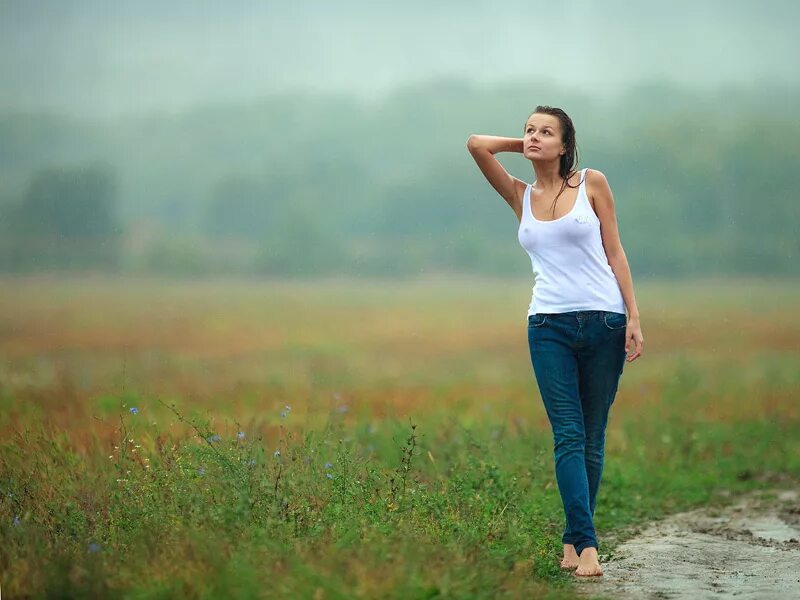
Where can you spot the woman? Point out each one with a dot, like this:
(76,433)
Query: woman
(578,333)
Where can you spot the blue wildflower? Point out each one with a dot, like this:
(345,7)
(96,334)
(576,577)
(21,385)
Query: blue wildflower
(276,454)
(328,475)
(201,471)
(94,547)
(252,462)
(342,408)
(16,520)
(134,410)
(328,465)
(240,435)
(214,438)
(285,411)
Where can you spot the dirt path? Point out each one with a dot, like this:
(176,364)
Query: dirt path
(749,549)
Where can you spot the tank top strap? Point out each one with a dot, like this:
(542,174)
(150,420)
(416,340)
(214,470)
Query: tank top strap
(526,201)
(582,189)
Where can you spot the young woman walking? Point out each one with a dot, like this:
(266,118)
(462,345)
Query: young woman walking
(578,333)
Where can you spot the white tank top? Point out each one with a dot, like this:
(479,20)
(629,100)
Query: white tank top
(570,266)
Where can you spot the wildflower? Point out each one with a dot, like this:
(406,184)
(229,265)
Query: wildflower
(16,520)
(134,410)
(240,435)
(214,438)
(285,411)
(328,475)
(342,408)
(276,454)
(201,471)
(94,547)
(328,465)
(252,462)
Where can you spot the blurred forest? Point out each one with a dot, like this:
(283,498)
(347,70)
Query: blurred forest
(306,184)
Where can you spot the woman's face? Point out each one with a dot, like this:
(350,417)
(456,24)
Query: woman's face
(542,139)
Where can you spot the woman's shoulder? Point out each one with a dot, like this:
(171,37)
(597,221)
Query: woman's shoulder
(594,175)
(595,184)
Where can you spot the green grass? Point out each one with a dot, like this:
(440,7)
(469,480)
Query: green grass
(455,498)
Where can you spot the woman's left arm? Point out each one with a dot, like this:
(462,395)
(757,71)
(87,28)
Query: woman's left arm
(598,189)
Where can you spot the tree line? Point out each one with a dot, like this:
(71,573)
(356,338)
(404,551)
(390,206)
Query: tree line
(309,185)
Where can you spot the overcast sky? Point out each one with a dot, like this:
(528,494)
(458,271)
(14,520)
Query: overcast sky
(109,57)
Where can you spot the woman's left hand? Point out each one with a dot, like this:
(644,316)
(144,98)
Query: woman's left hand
(633,337)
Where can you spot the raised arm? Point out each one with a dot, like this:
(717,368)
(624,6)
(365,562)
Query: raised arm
(483,148)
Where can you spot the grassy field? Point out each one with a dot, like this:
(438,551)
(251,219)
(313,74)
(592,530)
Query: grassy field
(342,439)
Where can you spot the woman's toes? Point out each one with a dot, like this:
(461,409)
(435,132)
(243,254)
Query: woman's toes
(589,571)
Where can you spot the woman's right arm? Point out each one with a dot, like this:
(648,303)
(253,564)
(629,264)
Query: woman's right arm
(483,148)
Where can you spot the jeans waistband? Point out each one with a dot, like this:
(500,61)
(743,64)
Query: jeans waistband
(581,314)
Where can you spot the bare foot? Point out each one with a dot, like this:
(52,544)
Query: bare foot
(588,564)
(571,558)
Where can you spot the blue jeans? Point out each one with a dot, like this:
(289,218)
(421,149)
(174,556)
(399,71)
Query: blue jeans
(578,358)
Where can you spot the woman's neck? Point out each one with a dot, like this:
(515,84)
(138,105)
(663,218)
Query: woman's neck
(547,175)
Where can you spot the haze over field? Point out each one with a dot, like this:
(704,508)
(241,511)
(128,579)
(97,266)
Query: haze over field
(261,320)
(315,138)
(98,58)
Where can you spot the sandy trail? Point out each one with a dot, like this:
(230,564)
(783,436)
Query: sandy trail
(748,549)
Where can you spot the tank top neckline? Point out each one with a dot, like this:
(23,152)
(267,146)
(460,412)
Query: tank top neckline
(561,218)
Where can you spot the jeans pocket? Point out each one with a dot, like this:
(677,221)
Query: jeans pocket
(614,320)
(537,320)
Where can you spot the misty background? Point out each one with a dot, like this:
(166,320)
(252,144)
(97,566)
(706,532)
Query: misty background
(312,138)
